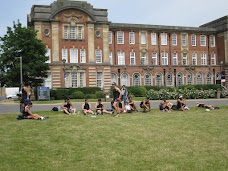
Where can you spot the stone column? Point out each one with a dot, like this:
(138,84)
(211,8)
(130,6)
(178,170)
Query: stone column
(91,52)
(105,45)
(55,41)
(38,27)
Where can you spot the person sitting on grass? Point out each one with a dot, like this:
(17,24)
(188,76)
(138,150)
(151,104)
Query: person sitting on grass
(86,108)
(203,105)
(68,107)
(27,114)
(181,103)
(164,106)
(100,108)
(132,104)
(145,104)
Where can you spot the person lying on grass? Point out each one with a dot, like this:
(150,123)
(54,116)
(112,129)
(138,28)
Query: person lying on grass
(27,114)
(203,105)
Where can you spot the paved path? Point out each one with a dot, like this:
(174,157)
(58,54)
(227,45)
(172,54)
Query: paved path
(13,107)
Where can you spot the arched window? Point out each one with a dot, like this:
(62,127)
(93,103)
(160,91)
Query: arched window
(199,78)
(136,79)
(179,79)
(147,79)
(209,78)
(158,81)
(218,76)
(189,78)
(113,78)
(169,79)
(124,79)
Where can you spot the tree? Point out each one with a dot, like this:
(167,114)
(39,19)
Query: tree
(22,42)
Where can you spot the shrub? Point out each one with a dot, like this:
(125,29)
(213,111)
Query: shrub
(99,94)
(77,95)
(138,91)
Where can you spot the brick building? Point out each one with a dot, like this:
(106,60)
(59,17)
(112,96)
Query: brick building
(86,50)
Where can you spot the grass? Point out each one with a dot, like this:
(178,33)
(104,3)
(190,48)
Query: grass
(190,140)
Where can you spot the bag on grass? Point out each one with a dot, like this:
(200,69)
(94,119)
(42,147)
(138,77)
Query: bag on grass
(55,109)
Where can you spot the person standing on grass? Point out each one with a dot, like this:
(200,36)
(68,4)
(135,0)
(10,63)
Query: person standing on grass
(117,94)
(68,107)
(100,108)
(25,96)
(124,92)
(145,104)
(86,108)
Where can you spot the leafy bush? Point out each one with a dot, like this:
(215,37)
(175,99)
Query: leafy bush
(99,94)
(138,91)
(77,95)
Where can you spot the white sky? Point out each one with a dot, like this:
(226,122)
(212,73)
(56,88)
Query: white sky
(158,12)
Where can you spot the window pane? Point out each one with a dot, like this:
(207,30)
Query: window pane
(154,58)
(72,32)
(153,39)
(136,80)
(121,58)
(203,40)
(147,79)
(74,79)
(163,39)
(110,37)
(132,58)
(65,55)
(83,55)
(143,38)
(132,38)
(175,60)
(184,39)
(120,37)
(73,55)
(158,80)
(174,39)
(98,54)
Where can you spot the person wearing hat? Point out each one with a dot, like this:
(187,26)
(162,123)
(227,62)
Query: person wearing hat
(181,103)
(117,94)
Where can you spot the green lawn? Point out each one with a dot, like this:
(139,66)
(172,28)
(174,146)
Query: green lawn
(177,141)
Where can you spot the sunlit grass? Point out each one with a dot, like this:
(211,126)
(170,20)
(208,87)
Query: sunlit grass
(190,140)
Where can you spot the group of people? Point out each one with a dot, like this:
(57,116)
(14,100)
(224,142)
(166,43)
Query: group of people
(26,105)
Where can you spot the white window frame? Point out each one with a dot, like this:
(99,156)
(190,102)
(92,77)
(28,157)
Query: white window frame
(147,79)
(194,58)
(131,37)
(65,54)
(120,37)
(169,79)
(73,55)
(65,33)
(193,40)
(121,58)
(153,39)
(158,79)
(48,81)
(72,32)
(136,79)
(213,59)
(180,79)
(132,58)
(48,54)
(143,58)
(203,59)
(175,58)
(74,79)
(164,39)
(174,39)
(154,58)
(100,79)
(212,40)
(184,39)
(164,59)
(203,40)
(185,59)
(98,56)
(110,58)
(110,37)
(124,79)
(209,78)
(143,38)
(199,78)
(82,56)
(189,79)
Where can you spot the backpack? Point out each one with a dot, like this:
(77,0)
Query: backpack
(55,109)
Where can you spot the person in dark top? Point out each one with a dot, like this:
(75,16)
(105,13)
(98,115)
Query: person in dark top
(68,107)
(86,108)
(181,103)
(132,104)
(203,105)
(117,94)
(100,108)
(164,106)
(27,114)
(25,96)
(145,104)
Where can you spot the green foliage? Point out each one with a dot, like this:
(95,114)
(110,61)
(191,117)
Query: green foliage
(137,91)
(22,42)
(131,142)
(85,90)
(77,95)
(99,94)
